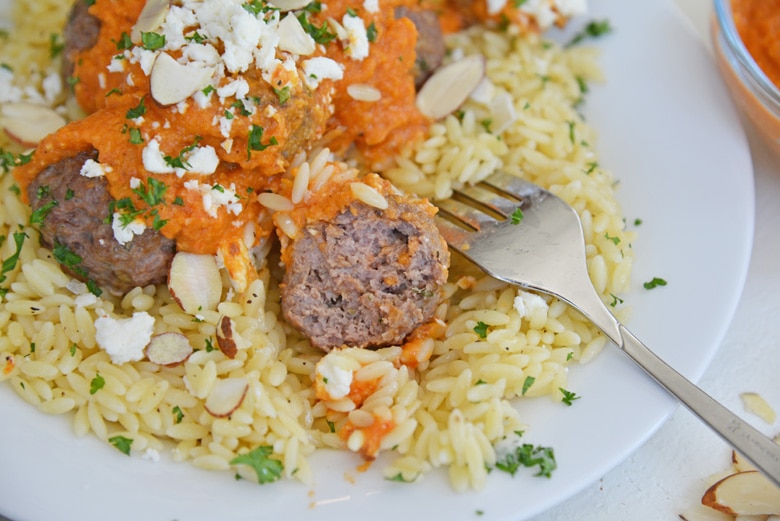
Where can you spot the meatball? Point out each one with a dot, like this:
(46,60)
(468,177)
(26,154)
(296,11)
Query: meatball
(368,277)
(80,33)
(430,48)
(73,212)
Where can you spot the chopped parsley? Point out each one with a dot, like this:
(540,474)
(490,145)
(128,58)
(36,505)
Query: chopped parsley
(124,42)
(73,348)
(96,384)
(152,193)
(40,214)
(654,283)
(568,396)
(517,216)
(615,240)
(267,469)
(71,260)
(178,414)
(135,136)
(56,45)
(527,383)
(137,111)
(10,263)
(615,300)
(283,94)
(371,32)
(195,37)
(591,167)
(399,478)
(594,29)
(8,160)
(321,34)
(121,443)
(481,329)
(152,41)
(527,455)
(256,140)
(209,345)
(571,131)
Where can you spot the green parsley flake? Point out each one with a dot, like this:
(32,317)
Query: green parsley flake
(40,214)
(10,263)
(267,469)
(527,455)
(178,414)
(517,216)
(399,478)
(481,329)
(568,396)
(121,443)
(137,111)
(527,383)
(96,384)
(654,283)
(152,41)
(594,29)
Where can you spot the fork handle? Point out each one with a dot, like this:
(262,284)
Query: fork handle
(760,450)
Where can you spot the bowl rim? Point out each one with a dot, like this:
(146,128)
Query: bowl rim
(728,31)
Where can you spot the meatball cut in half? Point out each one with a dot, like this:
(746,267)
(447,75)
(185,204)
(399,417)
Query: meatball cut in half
(365,264)
(73,212)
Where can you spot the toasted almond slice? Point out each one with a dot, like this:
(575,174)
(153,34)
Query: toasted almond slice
(289,5)
(449,86)
(700,512)
(363,92)
(226,396)
(741,464)
(172,82)
(744,494)
(194,282)
(225,337)
(168,349)
(151,18)
(756,404)
(294,38)
(28,123)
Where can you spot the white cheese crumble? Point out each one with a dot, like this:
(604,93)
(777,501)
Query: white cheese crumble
(200,160)
(215,197)
(125,233)
(117,64)
(84,300)
(335,370)
(544,12)
(320,68)
(372,6)
(527,304)
(124,339)
(92,168)
(357,48)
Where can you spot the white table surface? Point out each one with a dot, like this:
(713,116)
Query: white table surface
(669,472)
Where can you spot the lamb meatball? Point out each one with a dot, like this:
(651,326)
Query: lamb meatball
(73,211)
(80,33)
(430,48)
(368,277)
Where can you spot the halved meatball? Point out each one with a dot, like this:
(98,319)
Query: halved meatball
(368,277)
(73,211)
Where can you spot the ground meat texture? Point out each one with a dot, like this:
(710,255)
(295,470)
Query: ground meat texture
(363,279)
(73,210)
(430,48)
(80,33)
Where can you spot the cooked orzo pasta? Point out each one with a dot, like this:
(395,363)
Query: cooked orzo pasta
(443,398)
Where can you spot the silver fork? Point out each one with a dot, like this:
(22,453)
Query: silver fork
(522,234)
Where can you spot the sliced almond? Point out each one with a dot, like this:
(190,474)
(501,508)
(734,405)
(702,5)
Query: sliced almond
(448,87)
(741,464)
(744,494)
(168,349)
(294,38)
(700,512)
(151,18)
(756,404)
(194,282)
(289,5)
(226,396)
(172,82)
(28,123)
(363,92)
(225,337)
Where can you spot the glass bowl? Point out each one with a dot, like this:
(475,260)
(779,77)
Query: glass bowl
(753,91)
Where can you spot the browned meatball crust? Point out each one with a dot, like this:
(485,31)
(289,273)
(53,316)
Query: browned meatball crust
(73,214)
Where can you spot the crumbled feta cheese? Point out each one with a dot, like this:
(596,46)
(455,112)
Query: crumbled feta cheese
(52,86)
(335,370)
(144,58)
(152,455)
(117,64)
(372,6)
(124,233)
(202,160)
(135,183)
(154,159)
(216,196)
(238,88)
(124,339)
(358,37)
(84,300)
(527,303)
(321,68)
(92,168)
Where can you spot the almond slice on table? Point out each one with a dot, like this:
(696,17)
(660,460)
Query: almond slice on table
(151,18)
(744,494)
(741,464)
(294,38)
(172,82)
(194,282)
(28,123)
(168,349)
(449,86)
(226,396)
(701,512)
(756,404)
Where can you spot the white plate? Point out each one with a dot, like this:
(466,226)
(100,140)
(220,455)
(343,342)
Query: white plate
(668,131)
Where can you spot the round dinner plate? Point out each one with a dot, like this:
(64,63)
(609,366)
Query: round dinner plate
(670,134)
